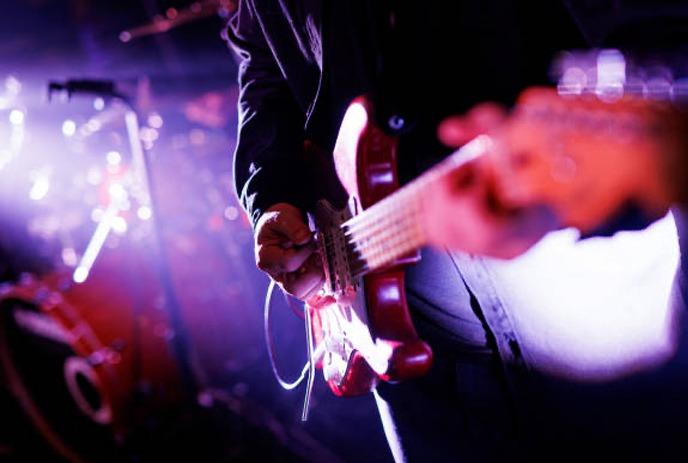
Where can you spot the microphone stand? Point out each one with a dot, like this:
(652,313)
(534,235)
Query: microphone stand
(189,370)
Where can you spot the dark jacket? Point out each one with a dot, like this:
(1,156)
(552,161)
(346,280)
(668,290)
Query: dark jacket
(296,82)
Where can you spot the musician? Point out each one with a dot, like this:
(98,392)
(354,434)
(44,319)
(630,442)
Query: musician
(509,378)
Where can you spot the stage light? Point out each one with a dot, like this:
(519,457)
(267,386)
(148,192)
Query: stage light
(98,104)
(144,213)
(40,189)
(107,221)
(114,158)
(94,125)
(12,85)
(573,82)
(69,256)
(124,37)
(80,274)
(119,225)
(118,193)
(155,120)
(149,134)
(97,214)
(611,75)
(16,117)
(231,213)
(68,128)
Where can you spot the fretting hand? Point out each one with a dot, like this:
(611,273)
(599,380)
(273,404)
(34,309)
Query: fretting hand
(465,210)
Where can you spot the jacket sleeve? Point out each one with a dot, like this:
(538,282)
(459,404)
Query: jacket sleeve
(268,162)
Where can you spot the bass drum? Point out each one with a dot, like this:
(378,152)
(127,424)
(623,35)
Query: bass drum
(54,386)
(87,365)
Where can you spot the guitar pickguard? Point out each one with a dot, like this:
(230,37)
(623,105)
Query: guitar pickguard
(341,311)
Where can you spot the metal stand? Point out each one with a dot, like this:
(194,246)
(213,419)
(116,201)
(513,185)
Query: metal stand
(189,370)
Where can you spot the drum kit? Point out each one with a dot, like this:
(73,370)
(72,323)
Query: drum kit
(87,346)
(91,341)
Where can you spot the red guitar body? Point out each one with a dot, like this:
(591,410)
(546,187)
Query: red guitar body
(366,162)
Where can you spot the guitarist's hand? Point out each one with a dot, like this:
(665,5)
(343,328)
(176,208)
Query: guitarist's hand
(465,211)
(284,249)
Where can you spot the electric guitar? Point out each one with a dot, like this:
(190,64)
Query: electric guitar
(580,157)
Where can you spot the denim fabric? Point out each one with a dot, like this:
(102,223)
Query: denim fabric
(593,353)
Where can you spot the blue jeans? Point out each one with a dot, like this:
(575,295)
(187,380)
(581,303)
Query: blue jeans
(525,364)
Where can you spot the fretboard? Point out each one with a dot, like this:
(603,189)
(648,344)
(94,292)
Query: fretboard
(395,226)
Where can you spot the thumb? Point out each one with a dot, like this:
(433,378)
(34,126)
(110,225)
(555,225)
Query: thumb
(289,223)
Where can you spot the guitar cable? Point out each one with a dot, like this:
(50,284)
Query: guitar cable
(314,354)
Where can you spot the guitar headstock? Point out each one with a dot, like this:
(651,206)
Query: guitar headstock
(587,157)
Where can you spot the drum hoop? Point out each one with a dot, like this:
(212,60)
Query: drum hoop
(75,365)
(48,302)
(17,389)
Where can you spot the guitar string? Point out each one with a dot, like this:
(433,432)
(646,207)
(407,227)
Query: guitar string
(367,230)
(392,244)
(396,240)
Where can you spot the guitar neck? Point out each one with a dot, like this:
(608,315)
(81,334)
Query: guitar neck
(392,228)
(583,157)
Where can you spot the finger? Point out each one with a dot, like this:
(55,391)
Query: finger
(293,227)
(465,177)
(458,130)
(486,117)
(275,259)
(306,281)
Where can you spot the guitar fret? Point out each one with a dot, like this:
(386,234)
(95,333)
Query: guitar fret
(393,226)
(381,218)
(397,227)
(394,234)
